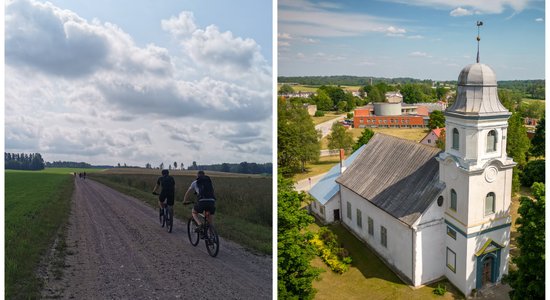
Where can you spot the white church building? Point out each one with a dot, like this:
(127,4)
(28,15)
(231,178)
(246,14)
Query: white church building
(428,213)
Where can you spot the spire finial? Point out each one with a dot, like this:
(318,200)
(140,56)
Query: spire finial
(479,24)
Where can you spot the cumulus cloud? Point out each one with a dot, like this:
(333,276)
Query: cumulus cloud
(539,20)
(460,12)
(70,81)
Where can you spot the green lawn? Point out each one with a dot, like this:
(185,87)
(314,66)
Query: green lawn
(328,116)
(37,206)
(368,277)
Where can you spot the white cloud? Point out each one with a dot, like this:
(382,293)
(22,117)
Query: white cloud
(482,7)
(307,19)
(460,12)
(539,20)
(94,93)
(419,54)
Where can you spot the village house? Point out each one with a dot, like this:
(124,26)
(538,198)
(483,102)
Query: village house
(431,214)
(431,138)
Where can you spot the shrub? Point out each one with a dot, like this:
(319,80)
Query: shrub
(337,258)
(440,290)
(319,113)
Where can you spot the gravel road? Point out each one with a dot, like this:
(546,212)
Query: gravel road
(119,251)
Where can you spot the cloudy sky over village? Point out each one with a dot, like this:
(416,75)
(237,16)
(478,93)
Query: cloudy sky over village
(139,82)
(424,39)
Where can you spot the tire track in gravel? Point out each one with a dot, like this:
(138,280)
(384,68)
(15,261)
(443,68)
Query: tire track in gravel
(121,252)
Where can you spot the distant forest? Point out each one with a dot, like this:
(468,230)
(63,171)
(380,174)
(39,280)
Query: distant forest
(534,89)
(72,164)
(243,168)
(23,161)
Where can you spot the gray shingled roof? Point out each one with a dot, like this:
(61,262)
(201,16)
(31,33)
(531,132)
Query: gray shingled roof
(399,176)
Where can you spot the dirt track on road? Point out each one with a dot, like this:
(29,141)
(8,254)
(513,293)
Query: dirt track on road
(119,251)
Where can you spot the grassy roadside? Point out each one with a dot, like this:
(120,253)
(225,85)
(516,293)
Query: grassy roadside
(36,211)
(243,209)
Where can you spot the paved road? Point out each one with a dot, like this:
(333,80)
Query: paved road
(306,184)
(326,126)
(117,250)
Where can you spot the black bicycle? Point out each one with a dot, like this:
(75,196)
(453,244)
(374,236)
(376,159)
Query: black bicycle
(166,216)
(206,231)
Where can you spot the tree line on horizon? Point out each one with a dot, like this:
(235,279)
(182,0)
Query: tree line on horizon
(23,161)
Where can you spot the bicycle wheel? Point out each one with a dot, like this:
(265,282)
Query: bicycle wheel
(212,241)
(161,217)
(169,219)
(192,232)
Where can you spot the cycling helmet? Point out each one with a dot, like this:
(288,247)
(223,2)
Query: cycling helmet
(164,172)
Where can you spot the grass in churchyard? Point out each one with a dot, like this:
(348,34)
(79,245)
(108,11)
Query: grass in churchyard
(368,277)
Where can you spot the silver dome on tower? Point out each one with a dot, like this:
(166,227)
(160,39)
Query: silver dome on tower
(477,91)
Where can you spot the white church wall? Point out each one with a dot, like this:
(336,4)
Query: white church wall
(459,246)
(330,206)
(429,245)
(480,187)
(398,252)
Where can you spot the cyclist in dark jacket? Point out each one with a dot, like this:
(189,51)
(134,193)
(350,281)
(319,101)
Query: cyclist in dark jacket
(167,184)
(204,190)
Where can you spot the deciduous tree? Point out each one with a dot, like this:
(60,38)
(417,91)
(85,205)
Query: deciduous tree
(294,271)
(437,120)
(365,137)
(527,281)
(340,138)
(538,141)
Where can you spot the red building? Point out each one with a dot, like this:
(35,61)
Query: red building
(364,118)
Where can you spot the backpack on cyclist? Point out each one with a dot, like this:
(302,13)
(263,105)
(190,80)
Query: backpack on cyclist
(206,190)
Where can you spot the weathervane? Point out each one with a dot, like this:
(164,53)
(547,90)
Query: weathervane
(479,24)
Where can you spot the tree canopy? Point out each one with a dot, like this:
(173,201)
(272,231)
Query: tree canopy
(294,271)
(365,137)
(340,138)
(297,139)
(528,281)
(437,120)
(538,142)
(286,89)
(23,161)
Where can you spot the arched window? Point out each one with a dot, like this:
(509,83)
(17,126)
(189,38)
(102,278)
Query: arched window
(492,141)
(490,203)
(453,200)
(455,138)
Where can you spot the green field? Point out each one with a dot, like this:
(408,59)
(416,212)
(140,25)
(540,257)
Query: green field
(36,210)
(243,206)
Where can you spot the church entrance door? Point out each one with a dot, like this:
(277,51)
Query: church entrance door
(487,270)
(336,215)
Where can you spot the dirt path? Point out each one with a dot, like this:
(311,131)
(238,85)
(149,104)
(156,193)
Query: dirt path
(119,251)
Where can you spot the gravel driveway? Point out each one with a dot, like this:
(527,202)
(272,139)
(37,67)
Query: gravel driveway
(119,251)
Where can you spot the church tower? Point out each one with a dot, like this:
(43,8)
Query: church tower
(478,177)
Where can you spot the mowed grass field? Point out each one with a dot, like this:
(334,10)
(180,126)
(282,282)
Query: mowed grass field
(36,210)
(243,206)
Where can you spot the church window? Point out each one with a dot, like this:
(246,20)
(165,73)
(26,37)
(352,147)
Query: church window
(490,203)
(371,226)
(349,210)
(453,200)
(383,236)
(359,219)
(451,232)
(455,138)
(492,141)
(451,260)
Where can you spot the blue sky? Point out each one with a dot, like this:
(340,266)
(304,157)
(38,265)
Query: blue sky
(424,39)
(139,82)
